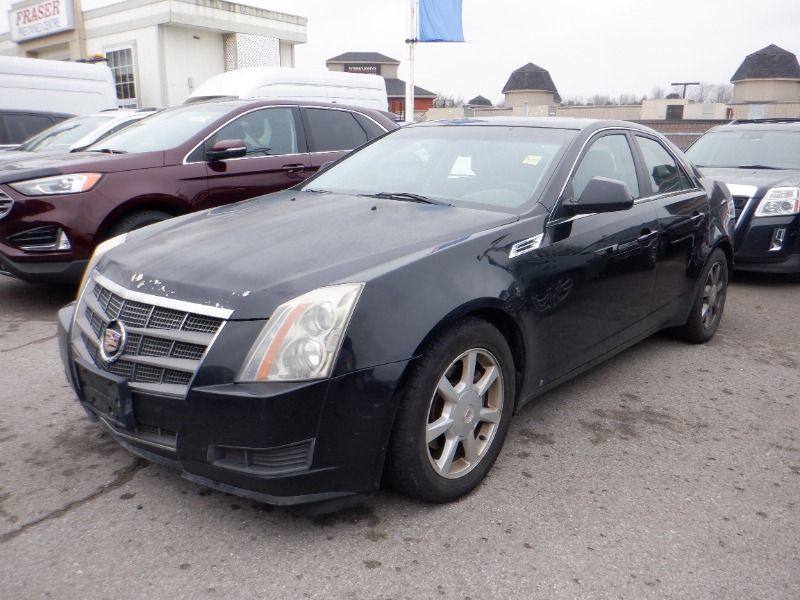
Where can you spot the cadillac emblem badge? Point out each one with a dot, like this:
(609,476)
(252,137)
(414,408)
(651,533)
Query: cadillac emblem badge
(112,341)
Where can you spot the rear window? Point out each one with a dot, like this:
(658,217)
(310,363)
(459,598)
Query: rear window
(65,134)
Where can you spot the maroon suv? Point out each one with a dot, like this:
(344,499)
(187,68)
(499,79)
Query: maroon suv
(55,210)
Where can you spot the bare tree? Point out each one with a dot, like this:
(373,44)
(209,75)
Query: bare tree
(657,93)
(445,101)
(712,92)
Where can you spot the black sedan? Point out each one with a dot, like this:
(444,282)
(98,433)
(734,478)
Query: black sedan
(385,319)
(760,162)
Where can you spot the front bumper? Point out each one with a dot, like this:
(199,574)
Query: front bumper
(68,272)
(280,443)
(769,245)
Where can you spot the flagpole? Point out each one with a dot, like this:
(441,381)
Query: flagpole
(412,42)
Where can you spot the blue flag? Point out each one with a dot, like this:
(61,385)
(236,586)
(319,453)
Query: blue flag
(440,21)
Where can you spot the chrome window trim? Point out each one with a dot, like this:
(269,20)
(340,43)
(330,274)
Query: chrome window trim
(232,119)
(180,305)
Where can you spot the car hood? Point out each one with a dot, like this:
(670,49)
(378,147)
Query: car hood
(760,178)
(44,164)
(252,256)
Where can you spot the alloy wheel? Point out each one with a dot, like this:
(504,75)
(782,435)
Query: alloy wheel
(464,413)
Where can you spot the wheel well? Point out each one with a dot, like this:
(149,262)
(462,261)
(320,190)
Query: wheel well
(135,206)
(727,248)
(501,321)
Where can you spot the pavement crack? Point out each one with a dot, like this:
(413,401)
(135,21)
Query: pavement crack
(31,343)
(123,476)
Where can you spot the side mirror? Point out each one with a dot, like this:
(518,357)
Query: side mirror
(602,195)
(225,149)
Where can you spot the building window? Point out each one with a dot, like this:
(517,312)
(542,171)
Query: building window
(121,64)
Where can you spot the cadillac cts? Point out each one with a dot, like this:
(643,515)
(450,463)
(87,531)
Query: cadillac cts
(384,320)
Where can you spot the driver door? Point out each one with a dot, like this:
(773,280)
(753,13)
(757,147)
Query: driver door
(601,265)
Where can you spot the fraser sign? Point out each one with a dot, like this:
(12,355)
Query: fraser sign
(40,19)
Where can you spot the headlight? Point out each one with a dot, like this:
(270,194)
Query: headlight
(99,252)
(58,184)
(302,338)
(779,201)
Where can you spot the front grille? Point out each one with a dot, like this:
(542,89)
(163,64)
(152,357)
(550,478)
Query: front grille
(38,238)
(5,205)
(164,345)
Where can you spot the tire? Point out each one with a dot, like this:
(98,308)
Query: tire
(709,303)
(466,425)
(137,219)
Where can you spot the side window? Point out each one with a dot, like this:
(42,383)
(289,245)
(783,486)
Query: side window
(20,127)
(610,156)
(665,174)
(333,130)
(371,127)
(265,132)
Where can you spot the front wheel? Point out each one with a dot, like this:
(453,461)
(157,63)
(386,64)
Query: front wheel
(135,220)
(454,412)
(709,303)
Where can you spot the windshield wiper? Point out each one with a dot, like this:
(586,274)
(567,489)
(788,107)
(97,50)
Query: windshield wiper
(109,151)
(759,167)
(407,196)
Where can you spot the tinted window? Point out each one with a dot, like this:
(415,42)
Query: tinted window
(19,127)
(665,174)
(371,127)
(333,130)
(264,132)
(610,156)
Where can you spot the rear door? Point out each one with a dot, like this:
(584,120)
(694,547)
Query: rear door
(332,133)
(276,155)
(683,224)
(601,265)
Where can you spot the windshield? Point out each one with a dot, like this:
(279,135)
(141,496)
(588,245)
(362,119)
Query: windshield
(66,133)
(494,167)
(163,130)
(748,148)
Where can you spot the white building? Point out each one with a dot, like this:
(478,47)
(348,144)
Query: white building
(158,50)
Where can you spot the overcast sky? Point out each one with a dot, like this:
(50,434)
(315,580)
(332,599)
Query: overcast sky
(590,47)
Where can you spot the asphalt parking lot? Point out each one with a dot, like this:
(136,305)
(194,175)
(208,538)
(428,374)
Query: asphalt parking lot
(672,471)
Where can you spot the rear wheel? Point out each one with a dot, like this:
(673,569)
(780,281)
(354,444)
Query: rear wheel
(137,219)
(709,303)
(454,414)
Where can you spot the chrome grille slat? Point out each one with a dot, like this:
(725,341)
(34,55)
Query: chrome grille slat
(164,345)
(5,204)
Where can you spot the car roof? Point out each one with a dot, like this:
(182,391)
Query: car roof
(542,122)
(234,103)
(761,125)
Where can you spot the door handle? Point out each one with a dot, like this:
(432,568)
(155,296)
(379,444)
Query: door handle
(647,237)
(295,168)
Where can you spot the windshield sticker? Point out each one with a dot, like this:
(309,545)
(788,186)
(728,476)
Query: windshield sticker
(531,159)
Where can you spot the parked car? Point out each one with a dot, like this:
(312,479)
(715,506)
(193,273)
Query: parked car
(77,133)
(759,161)
(387,317)
(55,209)
(16,126)
(320,85)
